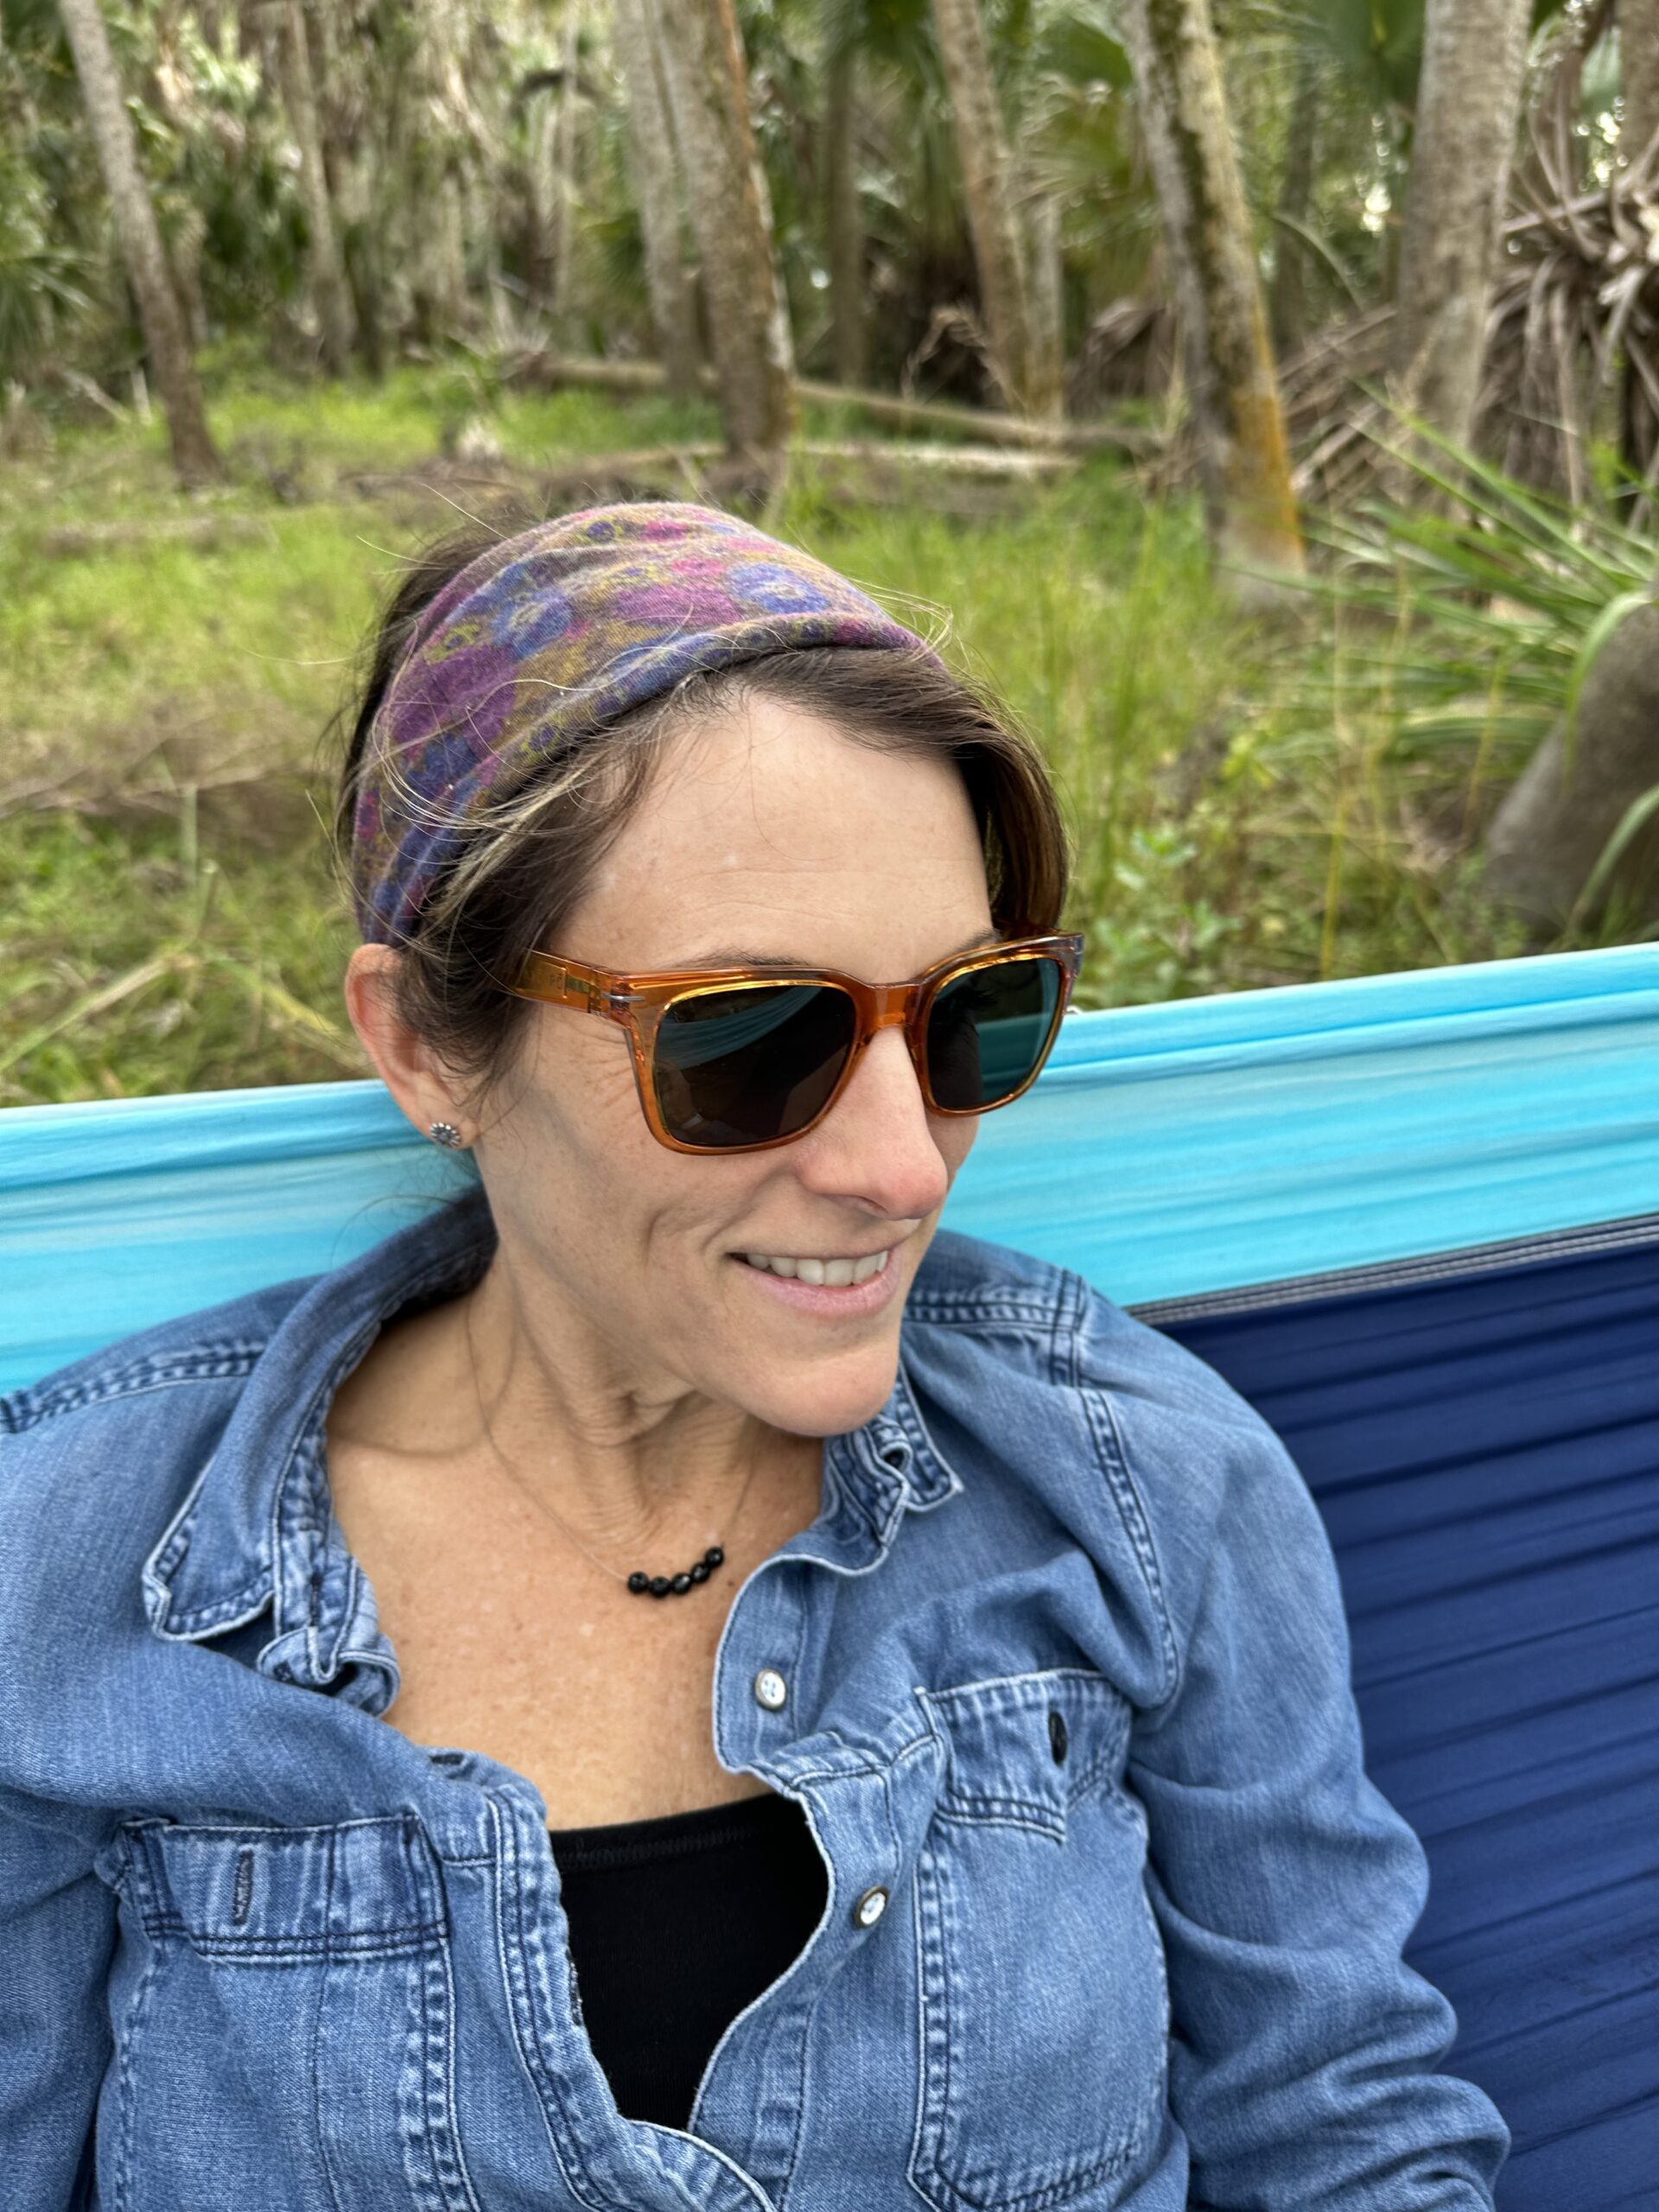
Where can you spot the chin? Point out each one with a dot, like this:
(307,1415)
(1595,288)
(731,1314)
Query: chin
(833,1403)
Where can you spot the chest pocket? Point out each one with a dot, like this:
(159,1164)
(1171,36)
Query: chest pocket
(1045,2011)
(282,2020)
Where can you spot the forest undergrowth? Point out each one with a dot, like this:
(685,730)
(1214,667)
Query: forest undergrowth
(170,915)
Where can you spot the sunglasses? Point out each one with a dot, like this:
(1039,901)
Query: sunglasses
(738,1059)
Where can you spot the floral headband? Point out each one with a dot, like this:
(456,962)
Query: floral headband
(551,634)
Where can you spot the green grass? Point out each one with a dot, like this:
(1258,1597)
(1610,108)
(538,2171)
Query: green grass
(169,918)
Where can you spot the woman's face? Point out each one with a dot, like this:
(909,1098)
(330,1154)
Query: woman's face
(765,836)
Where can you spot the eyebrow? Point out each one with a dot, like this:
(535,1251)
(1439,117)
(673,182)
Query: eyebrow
(746,955)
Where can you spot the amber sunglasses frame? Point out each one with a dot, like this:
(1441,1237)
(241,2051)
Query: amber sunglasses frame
(638,1001)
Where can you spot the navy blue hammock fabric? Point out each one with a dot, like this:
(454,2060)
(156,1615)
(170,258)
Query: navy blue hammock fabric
(1415,1220)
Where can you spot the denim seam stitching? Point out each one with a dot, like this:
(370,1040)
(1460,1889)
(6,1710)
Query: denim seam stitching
(1051,1830)
(318,2130)
(438,2088)
(519,1959)
(205,1362)
(134,2023)
(1101,1415)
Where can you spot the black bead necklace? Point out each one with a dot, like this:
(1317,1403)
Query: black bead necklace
(663,1585)
(641,1584)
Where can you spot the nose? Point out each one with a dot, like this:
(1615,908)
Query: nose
(876,1142)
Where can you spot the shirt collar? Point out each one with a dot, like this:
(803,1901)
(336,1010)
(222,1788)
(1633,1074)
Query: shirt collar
(256,1530)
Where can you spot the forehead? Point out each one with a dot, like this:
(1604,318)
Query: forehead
(766,833)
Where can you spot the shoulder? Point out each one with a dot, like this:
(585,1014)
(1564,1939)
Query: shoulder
(1038,1323)
(96,1457)
(216,1344)
(1091,1407)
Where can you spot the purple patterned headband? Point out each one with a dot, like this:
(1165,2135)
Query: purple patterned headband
(553,633)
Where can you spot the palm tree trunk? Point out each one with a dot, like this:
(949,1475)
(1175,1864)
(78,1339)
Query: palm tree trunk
(541,180)
(353,162)
(748,325)
(1638,65)
(564,163)
(1234,390)
(654,164)
(1287,315)
(988,185)
(1468,106)
(1045,291)
(196,458)
(425,184)
(328,286)
(843,220)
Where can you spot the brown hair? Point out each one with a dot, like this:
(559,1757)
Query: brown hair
(527,862)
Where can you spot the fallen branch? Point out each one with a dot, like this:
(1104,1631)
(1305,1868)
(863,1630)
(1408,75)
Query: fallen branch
(948,460)
(88,389)
(863,467)
(72,540)
(553,372)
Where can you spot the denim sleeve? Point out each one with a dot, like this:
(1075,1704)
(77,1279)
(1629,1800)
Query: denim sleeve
(57,1931)
(1303,2048)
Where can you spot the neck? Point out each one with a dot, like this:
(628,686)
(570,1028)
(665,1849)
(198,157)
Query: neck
(625,1470)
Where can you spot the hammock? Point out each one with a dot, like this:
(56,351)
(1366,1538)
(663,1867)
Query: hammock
(1415,1220)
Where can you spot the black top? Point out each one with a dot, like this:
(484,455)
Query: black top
(675,1925)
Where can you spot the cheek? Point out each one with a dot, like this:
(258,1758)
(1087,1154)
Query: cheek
(955,1135)
(605,1189)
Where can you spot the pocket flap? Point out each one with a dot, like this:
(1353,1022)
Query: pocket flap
(261,1892)
(1021,1748)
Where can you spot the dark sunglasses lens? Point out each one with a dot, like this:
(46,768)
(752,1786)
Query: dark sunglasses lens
(740,1066)
(989,1032)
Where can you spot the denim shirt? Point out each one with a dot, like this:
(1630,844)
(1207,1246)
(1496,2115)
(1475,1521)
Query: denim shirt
(1114,1917)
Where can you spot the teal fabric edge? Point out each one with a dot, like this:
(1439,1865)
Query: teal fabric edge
(1168,1151)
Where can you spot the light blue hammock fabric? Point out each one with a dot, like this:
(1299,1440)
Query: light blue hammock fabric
(1165,1151)
(1415,1218)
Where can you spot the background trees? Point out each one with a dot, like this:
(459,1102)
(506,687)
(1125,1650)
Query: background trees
(1473,66)
(166,339)
(1208,234)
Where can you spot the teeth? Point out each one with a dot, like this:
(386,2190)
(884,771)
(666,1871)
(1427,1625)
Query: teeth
(838,1273)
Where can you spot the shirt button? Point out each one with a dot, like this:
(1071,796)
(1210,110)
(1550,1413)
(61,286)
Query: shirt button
(870,1907)
(771,1689)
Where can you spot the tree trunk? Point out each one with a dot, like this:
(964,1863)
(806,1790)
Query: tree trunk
(1230,372)
(1638,66)
(655,168)
(1045,267)
(1554,824)
(748,326)
(1468,106)
(843,220)
(988,185)
(328,273)
(422,181)
(353,142)
(196,458)
(564,163)
(1287,315)
(189,239)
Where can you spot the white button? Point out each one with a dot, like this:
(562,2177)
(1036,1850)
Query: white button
(771,1689)
(870,1907)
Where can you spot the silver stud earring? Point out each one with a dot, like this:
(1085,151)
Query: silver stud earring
(445,1132)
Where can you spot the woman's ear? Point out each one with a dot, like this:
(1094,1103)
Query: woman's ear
(405,1063)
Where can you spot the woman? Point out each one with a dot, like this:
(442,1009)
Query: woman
(934,1683)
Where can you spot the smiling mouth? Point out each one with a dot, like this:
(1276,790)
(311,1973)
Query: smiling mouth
(833,1274)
